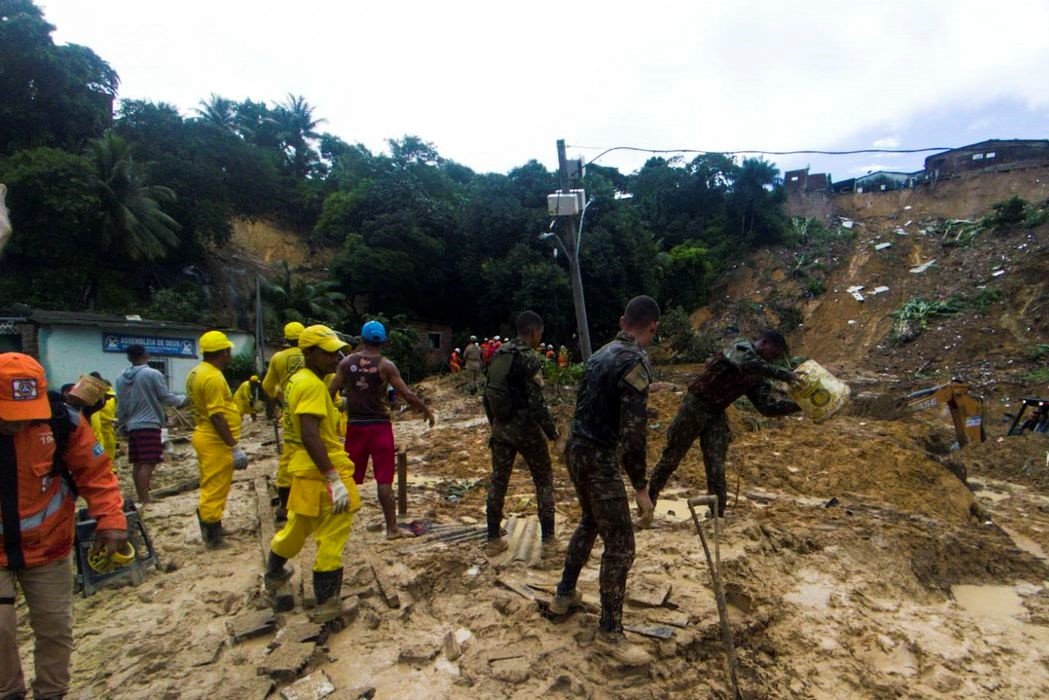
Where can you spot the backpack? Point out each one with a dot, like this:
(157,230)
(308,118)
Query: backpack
(497,400)
(62,428)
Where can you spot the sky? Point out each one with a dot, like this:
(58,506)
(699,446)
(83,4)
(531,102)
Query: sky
(495,84)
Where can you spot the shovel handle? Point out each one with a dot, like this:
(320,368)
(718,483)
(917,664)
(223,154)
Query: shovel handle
(710,500)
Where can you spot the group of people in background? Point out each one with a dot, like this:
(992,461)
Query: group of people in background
(476,357)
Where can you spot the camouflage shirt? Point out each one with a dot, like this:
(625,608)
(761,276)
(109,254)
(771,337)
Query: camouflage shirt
(737,371)
(525,384)
(612,403)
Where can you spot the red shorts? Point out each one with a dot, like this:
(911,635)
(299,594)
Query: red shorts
(374,440)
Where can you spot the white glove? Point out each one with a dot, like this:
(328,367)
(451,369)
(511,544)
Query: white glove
(240,459)
(340,497)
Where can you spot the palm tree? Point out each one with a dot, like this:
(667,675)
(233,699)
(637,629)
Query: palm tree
(306,302)
(297,128)
(219,111)
(133,222)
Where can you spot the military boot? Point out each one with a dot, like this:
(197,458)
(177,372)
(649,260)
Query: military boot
(276,580)
(494,548)
(615,647)
(563,602)
(327,587)
(280,515)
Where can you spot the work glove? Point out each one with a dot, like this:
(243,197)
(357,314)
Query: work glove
(340,497)
(240,459)
(111,540)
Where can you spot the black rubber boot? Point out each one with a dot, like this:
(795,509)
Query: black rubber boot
(214,537)
(276,583)
(280,515)
(327,587)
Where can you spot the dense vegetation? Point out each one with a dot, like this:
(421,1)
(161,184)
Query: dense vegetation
(115,206)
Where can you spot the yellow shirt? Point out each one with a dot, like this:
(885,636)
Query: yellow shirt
(209,392)
(282,365)
(306,394)
(243,398)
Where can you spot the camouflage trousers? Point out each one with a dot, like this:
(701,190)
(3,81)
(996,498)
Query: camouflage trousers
(694,420)
(527,439)
(605,513)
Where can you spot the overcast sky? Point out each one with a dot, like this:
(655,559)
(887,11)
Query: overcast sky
(494,84)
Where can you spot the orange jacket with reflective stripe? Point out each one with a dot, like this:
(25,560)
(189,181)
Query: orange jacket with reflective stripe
(37,505)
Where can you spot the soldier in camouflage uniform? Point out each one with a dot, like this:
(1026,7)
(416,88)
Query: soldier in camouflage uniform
(611,415)
(742,369)
(520,419)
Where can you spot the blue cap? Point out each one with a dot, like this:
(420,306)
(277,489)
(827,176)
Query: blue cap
(373,332)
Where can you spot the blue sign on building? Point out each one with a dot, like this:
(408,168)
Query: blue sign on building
(155,345)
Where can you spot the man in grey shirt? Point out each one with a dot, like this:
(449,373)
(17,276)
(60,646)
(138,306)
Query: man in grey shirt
(142,393)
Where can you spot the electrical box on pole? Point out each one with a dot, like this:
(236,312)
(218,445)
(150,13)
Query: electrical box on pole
(566,203)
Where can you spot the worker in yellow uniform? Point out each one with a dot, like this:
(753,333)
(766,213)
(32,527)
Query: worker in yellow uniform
(244,397)
(323,495)
(283,364)
(216,433)
(104,425)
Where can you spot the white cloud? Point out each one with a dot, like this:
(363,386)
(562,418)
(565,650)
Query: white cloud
(887,142)
(494,84)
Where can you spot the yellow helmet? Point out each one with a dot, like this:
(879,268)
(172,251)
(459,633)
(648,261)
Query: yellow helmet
(254,378)
(292,330)
(214,341)
(104,563)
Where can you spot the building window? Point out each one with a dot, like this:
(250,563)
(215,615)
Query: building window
(977,156)
(990,155)
(162,367)
(435,340)
(793,178)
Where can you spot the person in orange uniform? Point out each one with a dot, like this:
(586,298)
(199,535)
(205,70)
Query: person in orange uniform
(283,364)
(42,443)
(216,433)
(323,495)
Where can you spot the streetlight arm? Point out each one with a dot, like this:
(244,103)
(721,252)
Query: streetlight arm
(582,217)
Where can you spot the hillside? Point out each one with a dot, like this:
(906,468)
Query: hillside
(996,280)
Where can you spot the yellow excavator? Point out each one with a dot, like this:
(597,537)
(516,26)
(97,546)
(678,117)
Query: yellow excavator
(966,409)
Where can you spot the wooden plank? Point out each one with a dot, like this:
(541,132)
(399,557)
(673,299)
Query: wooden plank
(517,587)
(402,482)
(386,589)
(654,631)
(181,487)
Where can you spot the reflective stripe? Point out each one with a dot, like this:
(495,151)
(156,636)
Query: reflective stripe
(52,507)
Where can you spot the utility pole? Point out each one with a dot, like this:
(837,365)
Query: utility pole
(572,251)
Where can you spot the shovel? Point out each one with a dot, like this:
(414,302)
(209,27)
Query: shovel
(719,593)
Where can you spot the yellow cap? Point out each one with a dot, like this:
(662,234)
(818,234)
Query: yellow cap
(254,378)
(322,337)
(292,330)
(214,341)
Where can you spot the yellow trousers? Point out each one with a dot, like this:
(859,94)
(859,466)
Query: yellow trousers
(330,531)
(215,459)
(283,477)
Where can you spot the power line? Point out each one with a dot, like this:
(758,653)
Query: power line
(758,151)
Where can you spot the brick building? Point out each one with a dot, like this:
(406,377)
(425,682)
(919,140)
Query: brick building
(992,155)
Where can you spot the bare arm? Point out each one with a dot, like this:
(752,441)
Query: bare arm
(391,375)
(222,428)
(337,381)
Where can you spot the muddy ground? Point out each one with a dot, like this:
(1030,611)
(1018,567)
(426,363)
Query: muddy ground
(853,562)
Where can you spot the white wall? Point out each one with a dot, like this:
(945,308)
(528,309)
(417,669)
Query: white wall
(67,352)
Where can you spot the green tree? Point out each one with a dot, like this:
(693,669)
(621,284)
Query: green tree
(133,222)
(52,95)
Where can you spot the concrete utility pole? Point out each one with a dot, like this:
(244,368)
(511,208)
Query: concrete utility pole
(572,251)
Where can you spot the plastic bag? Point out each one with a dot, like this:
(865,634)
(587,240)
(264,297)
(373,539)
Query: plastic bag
(819,393)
